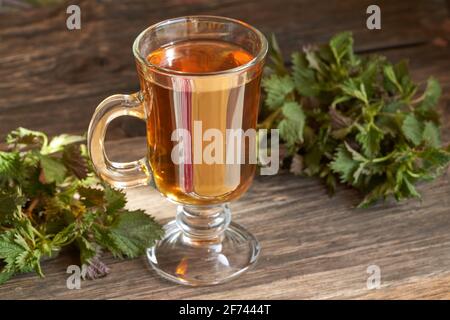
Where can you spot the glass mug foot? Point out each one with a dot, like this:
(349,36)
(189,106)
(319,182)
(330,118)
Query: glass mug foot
(191,253)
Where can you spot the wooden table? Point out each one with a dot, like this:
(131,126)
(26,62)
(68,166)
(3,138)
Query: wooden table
(313,246)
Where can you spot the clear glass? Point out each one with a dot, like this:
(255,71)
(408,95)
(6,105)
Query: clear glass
(201,246)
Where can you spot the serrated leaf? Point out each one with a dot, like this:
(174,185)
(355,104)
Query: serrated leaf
(341,45)
(344,165)
(431,134)
(290,133)
(134,231)
(435,158)
(353,89)
(58,143)
(355,154)
(130,234)
(314,61)
(115,199)
(390,75)
(369,139)
(276,56)
(22,137)
(91,197)
(304,77)
(74,161)
(87,250)
(431,95)
(294,112)
(53,170)
(412,129)
(9,205)
(277,89)
(10,250)
(64,236)
(380,191)
(5,276)
(410,190)
(11,167)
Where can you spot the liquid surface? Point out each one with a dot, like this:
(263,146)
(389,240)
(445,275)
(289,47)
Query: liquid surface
(220,103)
(200,56)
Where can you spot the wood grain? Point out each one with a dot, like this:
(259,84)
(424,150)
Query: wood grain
(53,78)
(314,247)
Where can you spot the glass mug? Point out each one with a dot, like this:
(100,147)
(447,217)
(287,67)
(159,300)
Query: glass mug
(198,74)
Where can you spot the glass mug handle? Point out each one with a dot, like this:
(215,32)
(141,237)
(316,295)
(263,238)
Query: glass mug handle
(117,174)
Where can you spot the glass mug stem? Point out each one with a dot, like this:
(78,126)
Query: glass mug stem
(202,225)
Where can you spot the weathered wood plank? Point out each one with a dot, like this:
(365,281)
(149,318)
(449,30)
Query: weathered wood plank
(52,78)
(313,247)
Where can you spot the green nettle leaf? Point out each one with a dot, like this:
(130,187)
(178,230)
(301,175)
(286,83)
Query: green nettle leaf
(314,60)
(53,169)
(277,89)
(370,140)
(431,95)
(9,249)
(304,78)
(65,235)
(351,88)
(412,129)
(5,276)
(87,250)
(434,158)
(10,204)
(58,143)
(390,74)
(410,189)
(133,232)
(276,57)
(11,167)
(380,191)
(115,199)
(344,164)
(91,197)
(75,162)
(431,134)
(289,132)
(341,45)
(359,119)
(293,111)
(291,128)
(130,234)
(22,137)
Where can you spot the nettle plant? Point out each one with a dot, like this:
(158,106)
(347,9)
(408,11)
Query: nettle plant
(50,198)
(358,120)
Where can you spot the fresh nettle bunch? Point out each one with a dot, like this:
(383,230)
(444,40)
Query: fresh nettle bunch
(358,120)
(50,198)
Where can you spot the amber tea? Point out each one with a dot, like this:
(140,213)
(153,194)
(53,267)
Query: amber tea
(214,102)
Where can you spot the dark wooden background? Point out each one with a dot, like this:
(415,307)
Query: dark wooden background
(51,79)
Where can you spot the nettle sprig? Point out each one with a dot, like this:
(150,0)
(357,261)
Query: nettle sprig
(50,198)
(358,120)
